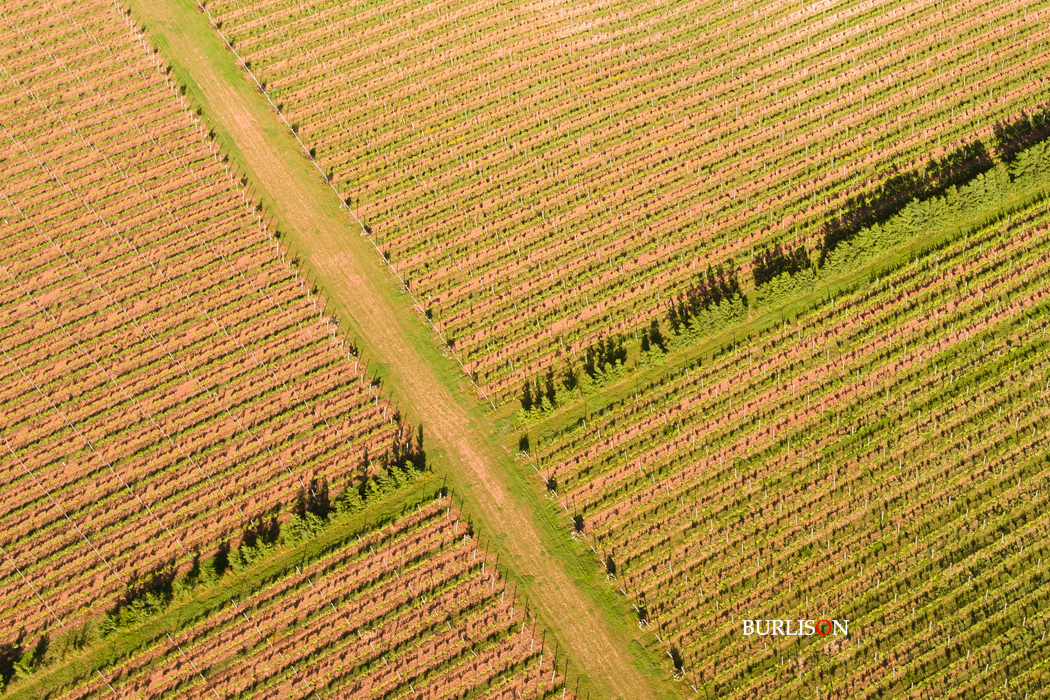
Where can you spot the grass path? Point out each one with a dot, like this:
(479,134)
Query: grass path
(561,580)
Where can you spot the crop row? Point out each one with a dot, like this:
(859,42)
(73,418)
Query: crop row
(168,377)
(540,187)
(852,463)
(410,609)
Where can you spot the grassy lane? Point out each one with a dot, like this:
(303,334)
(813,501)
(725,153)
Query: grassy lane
(560,577)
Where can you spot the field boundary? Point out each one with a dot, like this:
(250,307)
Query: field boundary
(365,231)
(104,653)
(560,420)
(592,625)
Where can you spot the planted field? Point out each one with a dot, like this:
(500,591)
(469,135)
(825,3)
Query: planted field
(545,175)
(168,379)
(769,281)
(409,608)
(881,458)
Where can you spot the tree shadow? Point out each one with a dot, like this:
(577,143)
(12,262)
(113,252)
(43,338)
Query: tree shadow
(266,533)
(609,350)
(314,499)
(221,561)
(778,260)
(1013,137)
(676,658)
(142,602)
(10,654)
(716,286)
(867,209)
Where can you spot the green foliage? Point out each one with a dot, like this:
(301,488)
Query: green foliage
(602,358)
(918,218)
(315,514)
(134,612)
(148,602)
(708,320)
(28,663)
(711,302)
(605,374)
(395,476)
(985,192)
(1031,167)
(867,209)
(302,527)
(349,501)
(256,544)
(247,554)
(778,261)
(379,485)
(784,287)
(654,345)
(604,362)
(653,355)
(200,575)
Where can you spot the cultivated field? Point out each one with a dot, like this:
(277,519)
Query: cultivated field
(543,174)
(168,380)
(769,282)
(881,458)
(408,608)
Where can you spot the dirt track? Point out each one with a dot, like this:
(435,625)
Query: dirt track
(348,270)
